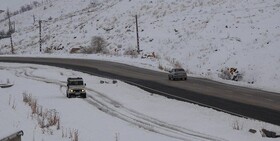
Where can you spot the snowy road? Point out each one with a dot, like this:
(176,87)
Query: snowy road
(246,102)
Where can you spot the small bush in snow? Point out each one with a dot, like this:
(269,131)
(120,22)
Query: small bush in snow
(177,64)
(46,118)
(48,50)
(50,18)
(231,74)
(97,45)
(92,4)
(25,8)
(236,125)
(225,74)
(132,52)
(162,68)
(72,134)
(10,103)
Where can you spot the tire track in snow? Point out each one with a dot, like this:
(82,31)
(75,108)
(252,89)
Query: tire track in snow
(114,108)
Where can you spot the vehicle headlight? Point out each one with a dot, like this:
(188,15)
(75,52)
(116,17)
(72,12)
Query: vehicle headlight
(71,90)
(83,90)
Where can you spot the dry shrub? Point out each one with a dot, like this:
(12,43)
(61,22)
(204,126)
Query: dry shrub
(132,52)
(97,45)
(174,62)
(160,67)
(177,64)
(76,135)
(32,102)
(26,98)
(48,50)
(237,126)
(14,102)
(46,118)
(72,134)
(231,74)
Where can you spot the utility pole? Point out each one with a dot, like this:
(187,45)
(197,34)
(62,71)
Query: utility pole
(34,19)
(10,24)
(10,31)
(12,46)
(137,35)
(40,35)
(14,26)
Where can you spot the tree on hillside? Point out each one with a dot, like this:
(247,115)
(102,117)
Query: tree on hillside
(97,45)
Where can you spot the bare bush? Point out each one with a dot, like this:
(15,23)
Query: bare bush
(36,4)
(48,118)
(231,74)
(14,102)
(72,134)
(26,8)
(52,117)
(162,68)
(97,45)
(10,97)
(33,106)
(225,74)
(48,50)
(76,135)
(177,64)
(236,125)
(117,137)
(174,62)
(27,98)
(132,52)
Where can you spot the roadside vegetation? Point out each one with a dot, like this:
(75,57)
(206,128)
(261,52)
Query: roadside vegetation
(48,120)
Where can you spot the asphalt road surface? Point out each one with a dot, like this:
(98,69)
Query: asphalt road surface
(240,101)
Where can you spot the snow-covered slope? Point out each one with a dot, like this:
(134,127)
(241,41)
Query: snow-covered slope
(202,36)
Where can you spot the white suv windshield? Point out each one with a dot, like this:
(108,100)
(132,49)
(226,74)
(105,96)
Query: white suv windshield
(76,83)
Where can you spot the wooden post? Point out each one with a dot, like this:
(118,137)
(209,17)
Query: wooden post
(40,37)
(34,19)
(10,24)
(12,46)
(137,35)
(10,31)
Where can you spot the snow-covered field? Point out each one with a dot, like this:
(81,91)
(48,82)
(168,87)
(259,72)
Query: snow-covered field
(202,36)
(111,111)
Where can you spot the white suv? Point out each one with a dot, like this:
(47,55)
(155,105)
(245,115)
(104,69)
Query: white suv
(76,87)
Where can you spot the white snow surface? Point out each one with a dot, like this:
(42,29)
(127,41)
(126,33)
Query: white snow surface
(111,111)
(202,36)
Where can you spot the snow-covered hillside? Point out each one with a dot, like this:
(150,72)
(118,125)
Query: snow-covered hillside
(202,36)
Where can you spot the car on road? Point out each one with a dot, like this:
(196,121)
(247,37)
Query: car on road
(76,87)
(177,73)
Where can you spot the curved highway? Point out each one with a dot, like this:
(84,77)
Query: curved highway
(240,101)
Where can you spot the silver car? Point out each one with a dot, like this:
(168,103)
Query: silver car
(177,73)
